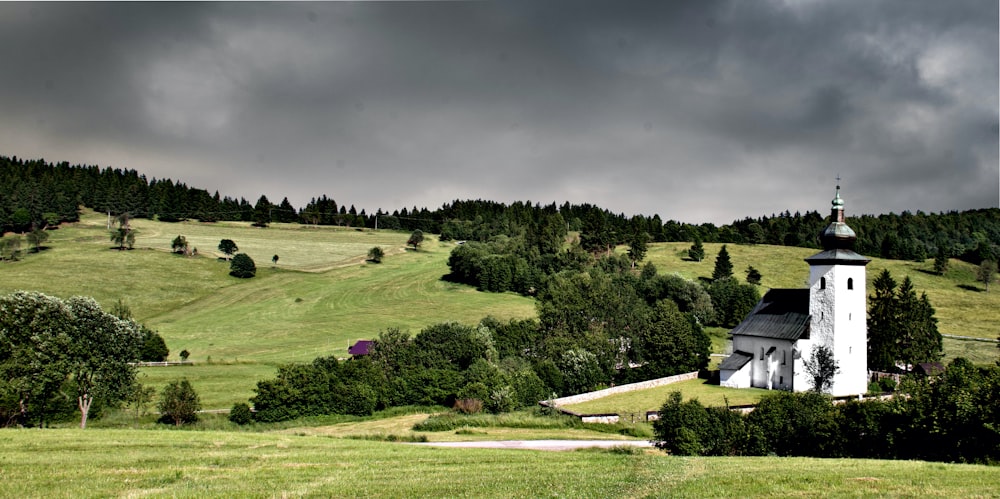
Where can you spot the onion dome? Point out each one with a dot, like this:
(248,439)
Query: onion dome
(837,235)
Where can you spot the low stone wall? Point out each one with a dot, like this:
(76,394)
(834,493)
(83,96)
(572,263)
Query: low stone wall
(586,397)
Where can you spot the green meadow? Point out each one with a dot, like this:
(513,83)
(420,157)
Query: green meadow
(134,463)
(321,296)
(640,401)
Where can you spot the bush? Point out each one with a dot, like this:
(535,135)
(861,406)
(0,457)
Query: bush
(469,406)
(375,255)
(242,266)
(241,414)
(179,403)
(153,349)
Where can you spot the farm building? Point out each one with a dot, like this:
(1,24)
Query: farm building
(772,345)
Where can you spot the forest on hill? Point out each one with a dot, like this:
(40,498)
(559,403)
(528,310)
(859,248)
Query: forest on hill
(35,193)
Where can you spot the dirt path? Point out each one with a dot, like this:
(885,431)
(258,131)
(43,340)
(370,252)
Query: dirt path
(552,445)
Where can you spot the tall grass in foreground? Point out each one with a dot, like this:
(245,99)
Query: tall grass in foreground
(75,463)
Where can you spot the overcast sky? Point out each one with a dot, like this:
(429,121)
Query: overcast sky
(699,111)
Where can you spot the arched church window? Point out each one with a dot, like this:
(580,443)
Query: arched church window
(850,283)
(822,283)
(784,357)
(761,353)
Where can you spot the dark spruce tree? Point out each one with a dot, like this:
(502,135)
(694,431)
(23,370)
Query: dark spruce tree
(697,250)
(723,265)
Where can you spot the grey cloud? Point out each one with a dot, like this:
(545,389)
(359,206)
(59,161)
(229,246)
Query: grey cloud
(698,111)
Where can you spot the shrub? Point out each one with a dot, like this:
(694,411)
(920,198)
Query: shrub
(375,255)
(241,414)
(242,266)
(469,406)
(179,403)
(153,349)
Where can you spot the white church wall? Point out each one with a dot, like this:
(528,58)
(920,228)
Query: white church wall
(736,379)
(839,317)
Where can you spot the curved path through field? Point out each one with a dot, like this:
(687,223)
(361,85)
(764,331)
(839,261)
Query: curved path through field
(553,445)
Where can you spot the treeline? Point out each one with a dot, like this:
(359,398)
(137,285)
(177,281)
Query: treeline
(951,417)
(36,193)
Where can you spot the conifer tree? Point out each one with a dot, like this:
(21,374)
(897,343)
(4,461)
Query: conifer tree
(941,261)
(723,265)
(697,251)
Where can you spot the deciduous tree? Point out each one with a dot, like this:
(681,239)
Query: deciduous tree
(986,273)
(101,354)
(37,238)
(179,245)
(228,247)
(821,367)
(179,403)
(242,266)
(416,238)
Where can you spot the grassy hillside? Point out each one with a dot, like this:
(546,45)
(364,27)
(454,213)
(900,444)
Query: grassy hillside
(321,296)
(75,463)
(963,308)
(651,399)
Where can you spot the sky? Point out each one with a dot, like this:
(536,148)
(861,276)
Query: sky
(699,111)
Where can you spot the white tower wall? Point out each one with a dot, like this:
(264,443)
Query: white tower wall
(839,321)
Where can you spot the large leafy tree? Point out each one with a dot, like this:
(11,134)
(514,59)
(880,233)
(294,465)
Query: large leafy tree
(102,350)
(50,348)
(673,343)
(35,341)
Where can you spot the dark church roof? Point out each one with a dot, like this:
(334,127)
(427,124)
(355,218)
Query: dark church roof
(781,314)
(736,361)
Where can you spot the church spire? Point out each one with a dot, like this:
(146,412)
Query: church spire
(837,235)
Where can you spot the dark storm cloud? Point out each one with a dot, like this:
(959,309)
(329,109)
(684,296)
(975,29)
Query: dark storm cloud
(698,111)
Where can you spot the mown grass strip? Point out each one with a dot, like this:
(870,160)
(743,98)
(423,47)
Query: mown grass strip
(75,463)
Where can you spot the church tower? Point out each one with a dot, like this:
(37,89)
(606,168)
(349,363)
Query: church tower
(837,307)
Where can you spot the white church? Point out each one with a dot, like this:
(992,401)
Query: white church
(773,343)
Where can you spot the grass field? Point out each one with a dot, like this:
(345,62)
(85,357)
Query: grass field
(321,296)
(640,401)
(131,463)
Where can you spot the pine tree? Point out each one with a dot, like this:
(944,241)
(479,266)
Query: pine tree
(882,324)
(697,251)
(723,265)
(941,261)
